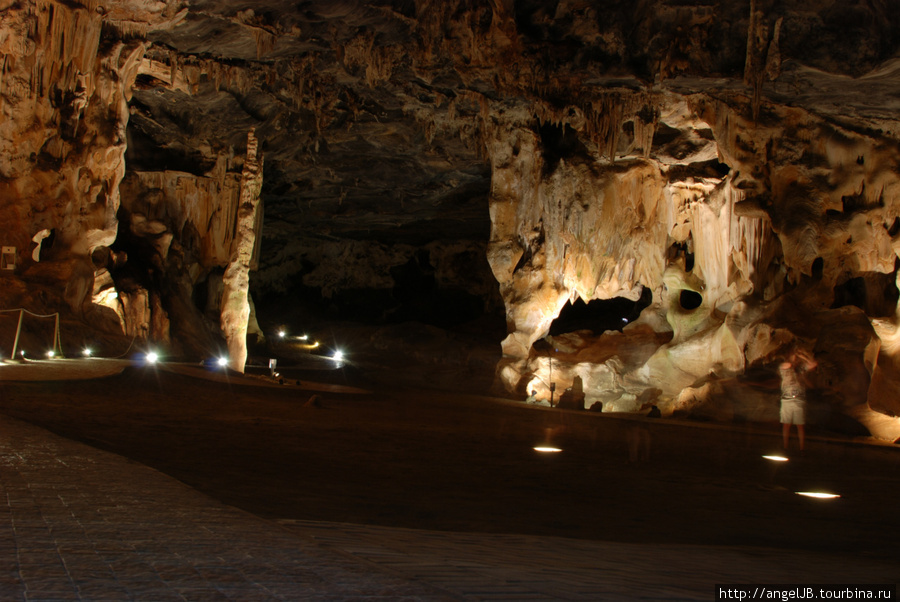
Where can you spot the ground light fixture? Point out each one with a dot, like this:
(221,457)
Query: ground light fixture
(152,357)
(281,334)
(821,495)
(222,361)
(775,458)
(547,449)
(87,352)
(51,353)
(338,356)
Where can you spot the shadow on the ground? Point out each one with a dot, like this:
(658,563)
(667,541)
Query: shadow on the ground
(441,460)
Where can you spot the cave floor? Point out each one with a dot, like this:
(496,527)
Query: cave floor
(416,494)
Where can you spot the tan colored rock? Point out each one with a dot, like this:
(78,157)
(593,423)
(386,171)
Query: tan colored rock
(604,183)
(162,204)
(740,245)
(63,113)
(235,301)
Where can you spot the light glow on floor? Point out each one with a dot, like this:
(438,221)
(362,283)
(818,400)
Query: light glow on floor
(547,449)
(776,458)
(818,494)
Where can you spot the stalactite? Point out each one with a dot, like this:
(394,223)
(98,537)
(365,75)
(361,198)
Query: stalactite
(209,204)
(129,29)
(265,42)
(773,54)
(604,118)
(762,52)
(2,73)
(74,37)
(645,122)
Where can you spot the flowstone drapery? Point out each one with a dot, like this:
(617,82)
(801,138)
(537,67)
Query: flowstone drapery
(740,265)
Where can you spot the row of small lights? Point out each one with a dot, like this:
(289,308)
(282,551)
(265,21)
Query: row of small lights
(338,354)
(822,495)
(52,353)
(152,357)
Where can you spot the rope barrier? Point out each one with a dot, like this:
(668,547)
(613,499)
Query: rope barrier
(57,343)
(31,313)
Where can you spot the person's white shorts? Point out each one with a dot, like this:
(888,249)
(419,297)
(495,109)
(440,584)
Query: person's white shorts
(793,410)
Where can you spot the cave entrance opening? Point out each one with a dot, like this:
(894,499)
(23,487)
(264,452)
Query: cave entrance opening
(600,315)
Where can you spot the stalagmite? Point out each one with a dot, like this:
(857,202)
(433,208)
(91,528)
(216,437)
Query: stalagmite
(235,303)
(738,176)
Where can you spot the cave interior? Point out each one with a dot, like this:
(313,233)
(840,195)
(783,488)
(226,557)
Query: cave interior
(658,201)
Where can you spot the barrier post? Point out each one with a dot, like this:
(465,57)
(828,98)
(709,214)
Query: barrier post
(18,332)
(57,345)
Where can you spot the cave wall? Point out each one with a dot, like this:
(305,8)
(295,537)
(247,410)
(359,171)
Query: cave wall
(743,155)
(63,98)
(807,205)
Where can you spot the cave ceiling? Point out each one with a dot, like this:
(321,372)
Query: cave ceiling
(370,113)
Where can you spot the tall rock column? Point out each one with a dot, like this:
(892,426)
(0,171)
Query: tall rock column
(235,301)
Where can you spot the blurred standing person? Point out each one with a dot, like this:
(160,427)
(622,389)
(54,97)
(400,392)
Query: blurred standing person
(793,393)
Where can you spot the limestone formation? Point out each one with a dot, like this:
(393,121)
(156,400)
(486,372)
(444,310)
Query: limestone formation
(235,302)
(730,168)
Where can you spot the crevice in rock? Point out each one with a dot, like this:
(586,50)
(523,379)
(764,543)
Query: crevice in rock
(873,292)
(600,315)
(560,141)
(690,300)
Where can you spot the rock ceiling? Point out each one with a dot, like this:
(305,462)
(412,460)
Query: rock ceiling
(743,151)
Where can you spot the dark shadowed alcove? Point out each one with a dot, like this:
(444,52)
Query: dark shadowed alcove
(600,315)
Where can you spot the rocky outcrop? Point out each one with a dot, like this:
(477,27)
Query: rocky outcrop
(773,245)
(730,169)
(63,96)
(64,92)
(235,307)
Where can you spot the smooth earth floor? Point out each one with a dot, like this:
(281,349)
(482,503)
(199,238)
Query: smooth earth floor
(375,492)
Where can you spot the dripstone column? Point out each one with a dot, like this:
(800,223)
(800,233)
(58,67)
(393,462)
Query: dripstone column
(235,301)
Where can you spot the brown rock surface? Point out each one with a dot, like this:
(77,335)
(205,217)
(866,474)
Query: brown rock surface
(736,166)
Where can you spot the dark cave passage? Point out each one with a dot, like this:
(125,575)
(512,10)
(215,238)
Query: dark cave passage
(600,315)
(873,292)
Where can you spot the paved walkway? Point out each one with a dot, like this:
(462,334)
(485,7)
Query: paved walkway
(82,524)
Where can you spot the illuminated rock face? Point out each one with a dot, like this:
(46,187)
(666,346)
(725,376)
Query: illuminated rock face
(741,166)
(182,226)
(64,92)
(235,300)
(64,109)
(806,208)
